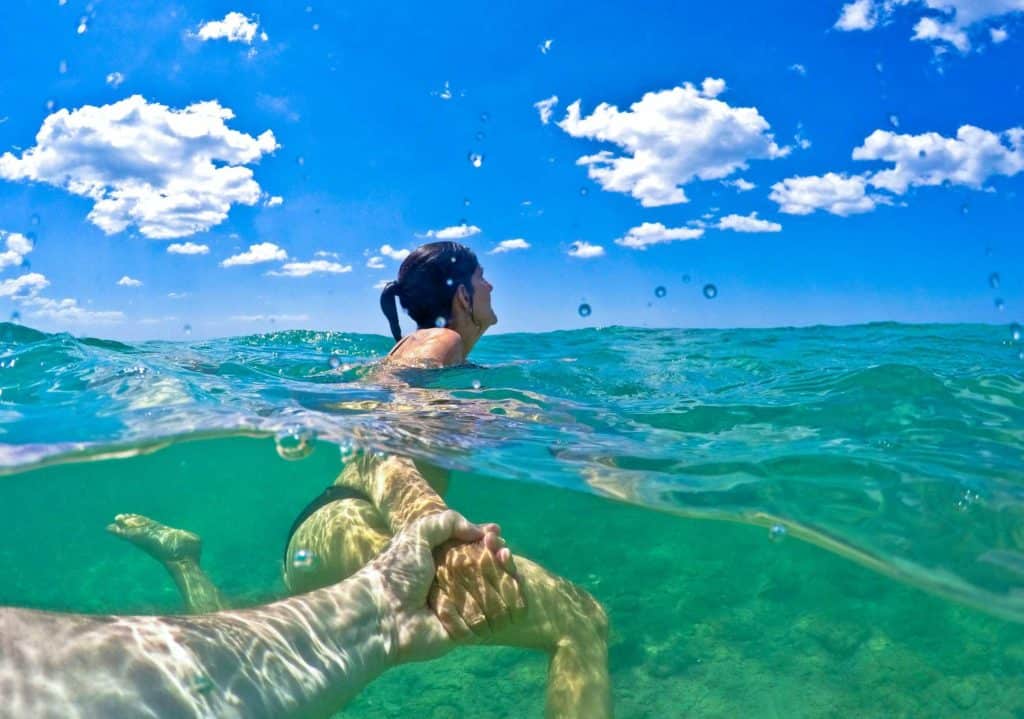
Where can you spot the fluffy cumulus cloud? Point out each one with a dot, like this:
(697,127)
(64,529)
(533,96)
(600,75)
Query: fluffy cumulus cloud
(68,310)
(740,184)
(839,194)
(25,285)
(455,232)
(545,108)
(127,281)
(313,267)
(670,138)
(375,263)
(943,21)
(510,245)
(584,250)
(971,158)
(187,248)
(168,172)
(748,223)
(235,27)
(389,251)
(16,246)
(655,233)
(256,254)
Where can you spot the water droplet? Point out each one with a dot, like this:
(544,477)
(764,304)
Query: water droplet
(584,192)
(466,202)
(187,329)
(63,67)
(660,291)
(993,280)
(476,384)
(965,208)
(294,443)
(710,291)
(686,279)
(480,135)
(484,117)
(584,310)
(15,316)
(777,533)
(50,104)
(34,219)
(449,282)
(334,362)
(300,160)
(476,159)
(1000,305)
(1015,332)
(440,322)
(303,559)
(316,26)
(83,26)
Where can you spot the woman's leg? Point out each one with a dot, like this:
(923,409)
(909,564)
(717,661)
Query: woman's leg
(561,619)
(178,551)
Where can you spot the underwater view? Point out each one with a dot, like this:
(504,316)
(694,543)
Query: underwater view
(798,522)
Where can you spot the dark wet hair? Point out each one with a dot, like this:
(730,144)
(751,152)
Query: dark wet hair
(427,281)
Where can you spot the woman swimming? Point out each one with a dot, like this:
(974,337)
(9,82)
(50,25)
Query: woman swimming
(441,286)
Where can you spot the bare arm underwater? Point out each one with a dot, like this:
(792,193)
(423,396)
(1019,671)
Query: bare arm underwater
(305,656)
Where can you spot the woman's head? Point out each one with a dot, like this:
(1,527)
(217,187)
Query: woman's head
(436,282)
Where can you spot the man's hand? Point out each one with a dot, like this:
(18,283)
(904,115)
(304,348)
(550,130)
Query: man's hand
(476,592)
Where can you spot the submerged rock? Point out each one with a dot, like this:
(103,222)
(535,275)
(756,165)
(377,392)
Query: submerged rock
(963,693)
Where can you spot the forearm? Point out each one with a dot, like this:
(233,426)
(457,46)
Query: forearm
(305,656)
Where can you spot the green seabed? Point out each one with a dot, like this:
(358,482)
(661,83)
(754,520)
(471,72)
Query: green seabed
(709,619)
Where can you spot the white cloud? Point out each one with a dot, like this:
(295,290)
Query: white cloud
(740,184)
(798,68)
(325,253)
(305,269)
(545,47)
(998,34)
(971,158)
(375,263)
(456,232)
(839,194)
(545,108)
(274,201)
(655,233)
(389,251)
(712,87)
(585,250)
(24,285)
(17,247)
(68,310)
(178,295)
(235,27)
(857,15)
(127,281)
(942,21)
(115,79)
(380,284)
(169,172)
(509,245)
(187,248)
(750,223)
(262,252)
(270,318)
(670,138)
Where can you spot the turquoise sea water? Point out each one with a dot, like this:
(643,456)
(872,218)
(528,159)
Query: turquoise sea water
(807,522)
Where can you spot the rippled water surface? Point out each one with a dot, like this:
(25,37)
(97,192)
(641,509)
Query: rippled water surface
(875,476)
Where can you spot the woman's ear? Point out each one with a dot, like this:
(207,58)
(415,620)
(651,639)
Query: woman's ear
(463,294)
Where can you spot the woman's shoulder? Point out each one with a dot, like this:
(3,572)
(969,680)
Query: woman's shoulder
(433,346)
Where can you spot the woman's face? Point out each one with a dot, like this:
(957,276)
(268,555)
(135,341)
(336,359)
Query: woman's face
(483,313)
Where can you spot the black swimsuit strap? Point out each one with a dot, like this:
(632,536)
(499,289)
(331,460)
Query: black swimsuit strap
(332,494)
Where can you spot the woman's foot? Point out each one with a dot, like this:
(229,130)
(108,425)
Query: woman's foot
(165,544)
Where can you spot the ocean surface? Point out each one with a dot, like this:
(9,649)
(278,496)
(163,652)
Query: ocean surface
(815,522)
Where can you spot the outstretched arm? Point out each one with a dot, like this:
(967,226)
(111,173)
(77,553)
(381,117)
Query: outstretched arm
(304,656)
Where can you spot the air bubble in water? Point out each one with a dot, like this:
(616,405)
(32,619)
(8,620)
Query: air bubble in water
(660,291)
(294,443)
(993,280)
(777,532)
(440,322)
(710,291)
(686,279)
(449,282)
(584,310)
(476,384)
(303,559)
(1015,332)
(476,159)
(334,362)
(1000,305)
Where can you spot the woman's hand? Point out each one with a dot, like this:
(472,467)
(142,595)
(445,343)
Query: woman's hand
(476,591)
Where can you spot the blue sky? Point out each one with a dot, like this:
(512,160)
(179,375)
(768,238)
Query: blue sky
(881,139)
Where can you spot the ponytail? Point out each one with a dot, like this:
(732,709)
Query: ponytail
(389,306)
